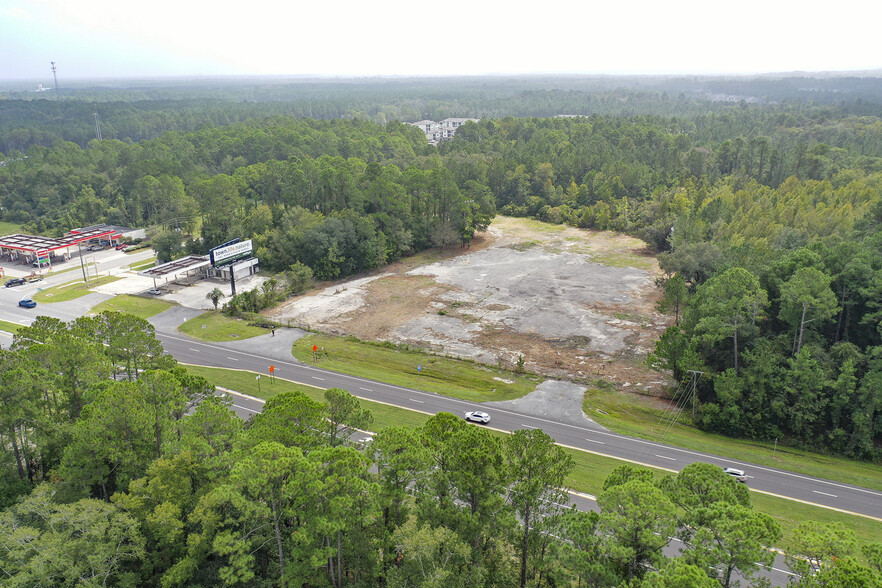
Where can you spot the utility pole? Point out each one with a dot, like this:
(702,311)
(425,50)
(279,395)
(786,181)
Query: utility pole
(694,385)
(55,77)
(83,265)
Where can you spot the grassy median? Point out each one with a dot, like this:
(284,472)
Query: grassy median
(73,290)
(214,327)
(136,305)
(10,327)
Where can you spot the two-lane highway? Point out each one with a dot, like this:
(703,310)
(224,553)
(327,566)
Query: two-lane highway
(826,493)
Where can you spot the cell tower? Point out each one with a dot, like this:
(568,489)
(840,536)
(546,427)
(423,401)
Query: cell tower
(55,77)
(97,125)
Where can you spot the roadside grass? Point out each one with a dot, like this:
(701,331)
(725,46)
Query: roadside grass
(590,469)
(639,417)
(10,327)
(7,228)
(136,305)
(147,263)
(395,364)
(214,326)
(71,291)
(246,383)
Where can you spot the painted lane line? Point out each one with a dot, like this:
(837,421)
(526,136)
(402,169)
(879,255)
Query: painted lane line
(593,441)
(196,350)
(755,467)
(528,426)
(246,408)
(232,359)
(640,463)
(825,494)
(366,389)
(414,400)
(317,378)
(665,457)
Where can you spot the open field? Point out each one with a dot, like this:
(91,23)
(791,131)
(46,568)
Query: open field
(136,305)
(398,365)
(590,471)
(71,291)
(639,416)
(214,326)
(572,303)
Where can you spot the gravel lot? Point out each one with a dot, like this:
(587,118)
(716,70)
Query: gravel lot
(572,303)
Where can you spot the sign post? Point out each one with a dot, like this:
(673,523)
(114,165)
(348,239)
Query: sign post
(314,353)
(258,383)
(272,371)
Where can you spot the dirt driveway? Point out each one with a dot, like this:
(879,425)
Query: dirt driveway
(573,303)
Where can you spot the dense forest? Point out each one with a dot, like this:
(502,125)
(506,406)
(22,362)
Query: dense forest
(118,480)
(765,213)
(776,205)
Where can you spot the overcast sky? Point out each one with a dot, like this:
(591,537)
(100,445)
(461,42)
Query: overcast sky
(134,38)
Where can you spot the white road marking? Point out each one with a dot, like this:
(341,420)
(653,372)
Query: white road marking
(825,494)
(413,400)
(232,359)
(598,442)
(527,426)
(196,350)
(366,389)
(317,378)
(246,408)
(665,457)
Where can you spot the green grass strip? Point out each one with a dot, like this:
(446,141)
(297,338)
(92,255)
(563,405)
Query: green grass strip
(396,364)
(246,383)
(136,305)
(214,326)
(136,267)
(71,291)
(639,417)
(10,327)
(7,228)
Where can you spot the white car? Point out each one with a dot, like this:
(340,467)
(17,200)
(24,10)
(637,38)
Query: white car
(737,474)
(477,417)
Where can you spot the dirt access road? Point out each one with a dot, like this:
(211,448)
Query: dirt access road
(573,303)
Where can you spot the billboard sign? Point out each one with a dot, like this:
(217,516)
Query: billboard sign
(227,254)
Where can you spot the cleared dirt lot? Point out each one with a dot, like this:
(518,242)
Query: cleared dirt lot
(572,303)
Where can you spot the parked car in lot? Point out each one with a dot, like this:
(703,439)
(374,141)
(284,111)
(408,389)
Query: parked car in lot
(477,417)
(155,291)
(737,474)
(14,282)
(27,303)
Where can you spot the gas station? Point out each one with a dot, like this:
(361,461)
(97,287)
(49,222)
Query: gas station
(43,252)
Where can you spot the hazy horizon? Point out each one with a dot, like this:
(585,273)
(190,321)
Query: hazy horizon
(98,39)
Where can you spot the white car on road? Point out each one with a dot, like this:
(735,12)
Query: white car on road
(737,474)
(477,417)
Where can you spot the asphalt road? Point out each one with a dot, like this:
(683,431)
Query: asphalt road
(826,493)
